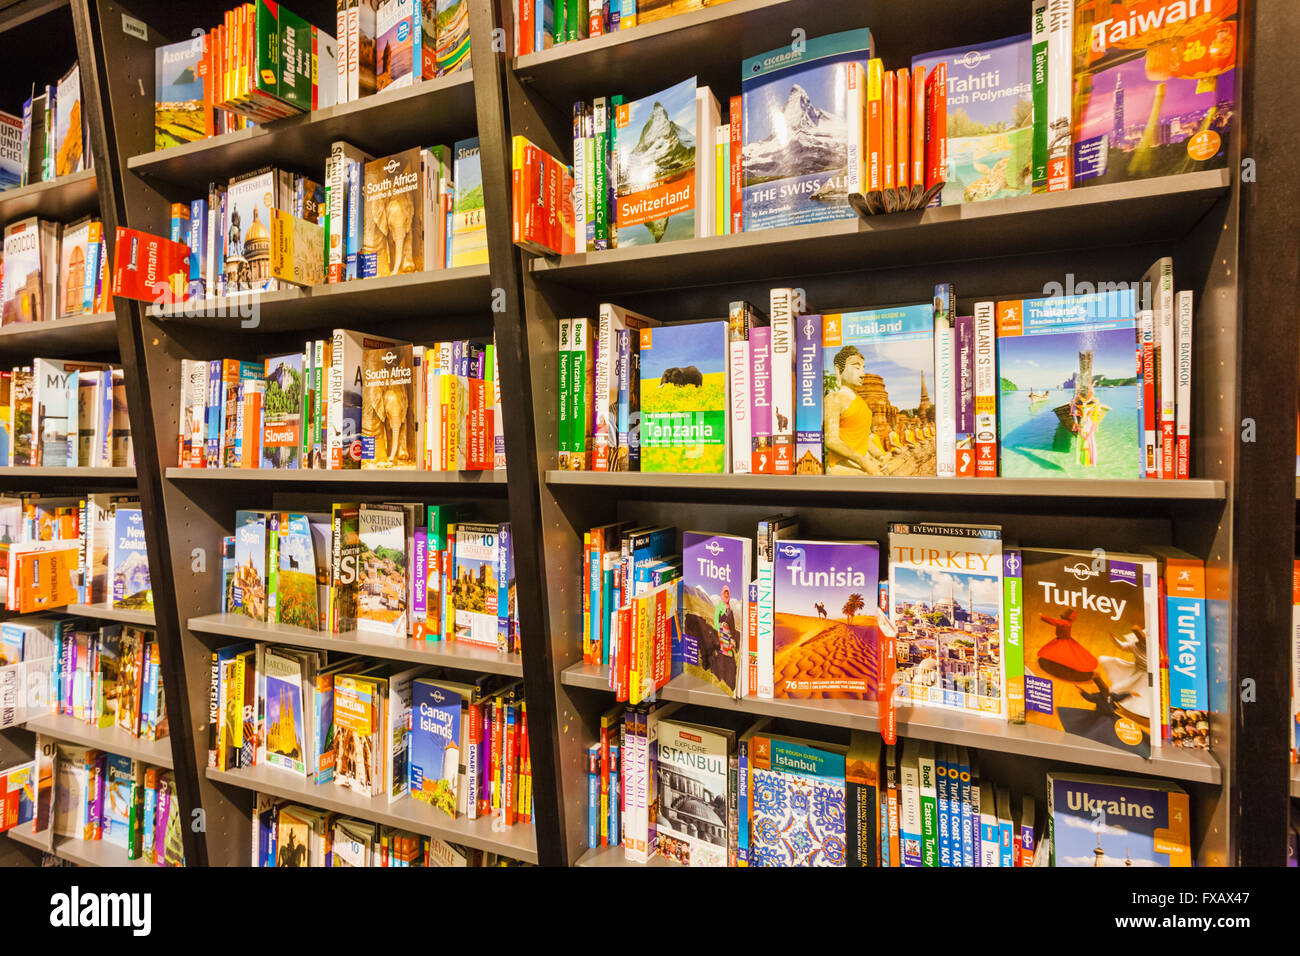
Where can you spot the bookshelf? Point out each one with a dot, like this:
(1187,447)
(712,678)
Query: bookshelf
(1228,243)
(80,852)
(155,753)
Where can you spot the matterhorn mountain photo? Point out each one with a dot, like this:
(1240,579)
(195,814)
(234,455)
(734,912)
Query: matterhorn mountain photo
(655,138)
(663,150)
(804,139)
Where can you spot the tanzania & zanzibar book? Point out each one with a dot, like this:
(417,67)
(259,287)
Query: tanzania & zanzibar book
(684,422)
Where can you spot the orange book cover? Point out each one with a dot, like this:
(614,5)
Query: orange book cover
(875,124)
(903,130)
(918,130)
(45,578)
(887,124)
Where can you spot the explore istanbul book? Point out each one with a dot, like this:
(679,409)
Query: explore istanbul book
(796,123)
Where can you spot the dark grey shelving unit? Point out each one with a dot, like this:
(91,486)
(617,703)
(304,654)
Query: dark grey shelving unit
(75,335)
(155,753)
(64,199)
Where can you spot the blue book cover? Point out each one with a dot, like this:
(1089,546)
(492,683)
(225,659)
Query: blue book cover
(248,593)
(1098,820)
(505,585)
(11,151)
(943,792)
(129,573)
(963,814)
(117,804)
(1068,387)
(990,119)
(198,242)
(796,131)
(877,412)
(593,797)
(808,385)
(434,768)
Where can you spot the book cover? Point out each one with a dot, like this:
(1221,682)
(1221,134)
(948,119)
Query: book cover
(23,279)
(452,31)
(282,411)
(1154,88)
(1091,650)
(11,151)
(945,597)
(1095,820)
(654,164)
(824,614)
(69,145)
(795,130)
(878,417)
(393,234)
(435,744)
(1068,386)
(468,221)
(797,813)
(809,386)
(473,588)
(389,408)
(398,41)
(990,119)
(72,267)
(248,595)
(179,114)
(129,571)
(286,726)
(296,594)
(683,387)
(693,793)
(297,249)
(356,701)
(382,571)
(716,569)
(249,202)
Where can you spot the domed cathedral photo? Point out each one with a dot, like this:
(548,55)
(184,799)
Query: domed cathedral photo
(248,233)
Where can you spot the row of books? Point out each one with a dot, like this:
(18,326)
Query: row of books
(290,834)
(56,551)
(353,400)
(264,62)
(541,24)
(741,794)
(375,728)
(50,139)
(394,570)
(75,793)
(57,413)
(1073,385)
(269,228)
(1103,645)
(1295,663)
(50,271)
(103,674)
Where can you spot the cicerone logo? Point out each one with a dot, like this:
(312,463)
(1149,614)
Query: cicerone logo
(75,909)
(972,58)
(1081,571)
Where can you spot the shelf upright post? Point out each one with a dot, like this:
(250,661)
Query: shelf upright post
(113,67)
(490,28)
(1268,360)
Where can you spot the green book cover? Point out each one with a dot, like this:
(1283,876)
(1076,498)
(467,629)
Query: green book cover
(600,160)
(1013,616)
(564,426)
(295,57)
(1039,73)
(266,48)
(683,389)
(580,391)
(929,806)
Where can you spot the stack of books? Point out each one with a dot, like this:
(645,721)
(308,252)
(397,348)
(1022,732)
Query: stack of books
(57,413)
(53,271)
(542,24)
(50,139)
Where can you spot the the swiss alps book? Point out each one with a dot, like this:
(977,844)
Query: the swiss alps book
(1155,93)
(655,160)
(990,119)
(468,221)
(693,792)
(1095,820)
(796,130)
(1092,646)
(716,570)
(1068,387)
(684,421)
(824,615)
(877,369)
(945,597)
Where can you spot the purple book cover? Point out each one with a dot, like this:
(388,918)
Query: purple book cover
(715,573)
(808,395)
(760,399)
(964,348)
(825,631)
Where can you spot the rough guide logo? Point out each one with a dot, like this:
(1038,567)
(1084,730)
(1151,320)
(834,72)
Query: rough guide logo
(75,909)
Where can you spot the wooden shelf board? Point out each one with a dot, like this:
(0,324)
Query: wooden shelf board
(452,654)
(81,852)
(518,841)
(495,480)
(1146,210)
(438,110)
(940,726)
(114,740)
(75,335)
(613,856)
(107,613)
(65,199)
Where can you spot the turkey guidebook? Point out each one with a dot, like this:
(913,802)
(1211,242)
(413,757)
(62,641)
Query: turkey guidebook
(654,140)
(796,131)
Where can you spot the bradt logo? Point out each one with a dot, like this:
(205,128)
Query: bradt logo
(1081,571)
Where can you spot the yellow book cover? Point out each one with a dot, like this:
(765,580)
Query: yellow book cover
(297,249)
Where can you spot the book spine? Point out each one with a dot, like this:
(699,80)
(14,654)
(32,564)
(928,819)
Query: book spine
(964,358)
(918,131)
(889,124)
(600,180)
(1014,618)
(736,122)
(760,400)
(1060,82)
(738,385)
(1166,381)
(986,391)
(808,458)
(1150,411)
(945,377)
(946,830)
(764,687)
(1183,398)
(580,379)
(936,130)
(875,129)
(606,393)
(929,807)
(742,803)
(903,135)
(1038,69)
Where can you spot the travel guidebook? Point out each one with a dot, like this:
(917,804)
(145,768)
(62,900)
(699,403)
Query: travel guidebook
(285,723)
(1095,820)
(684,423)
(434,763)
(178,113)
(474,593)
(249,202)
(796,131)
(945,596)
(716,569)
(990,119)
(282,411)
(1155,93)
(381,571)
(1069,389)
(825,628)
(693,798)
(1092,646)
(877,413)
(796,802)
(655,185)
(468,224)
